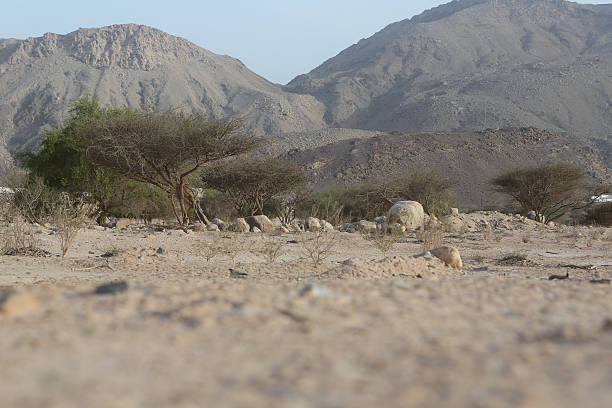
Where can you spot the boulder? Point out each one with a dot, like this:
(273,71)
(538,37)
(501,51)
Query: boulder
(410,214)
(212,227)
(454,225)
(449,255)
(239,225)
(260,221)
(219,223)
(453,211)
(312,224)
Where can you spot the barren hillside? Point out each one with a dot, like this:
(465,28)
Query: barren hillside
(468,159)
(475,64)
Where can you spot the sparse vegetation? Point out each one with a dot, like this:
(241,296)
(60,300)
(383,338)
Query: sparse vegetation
(69,216)
(19,238)
(431,235)
(271,250)
(319,246)
(383,240)
(163,150)
(550,190)
(251,184)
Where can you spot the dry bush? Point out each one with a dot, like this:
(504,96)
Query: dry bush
(319,247)
(69,216)
(18,239)
(210,249)
(271,250)
(383,241)
(431,235)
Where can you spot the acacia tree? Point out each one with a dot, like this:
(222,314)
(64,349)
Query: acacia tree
(163,149)
(550,190)
(252,183)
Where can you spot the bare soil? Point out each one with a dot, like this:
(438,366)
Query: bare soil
(359,330)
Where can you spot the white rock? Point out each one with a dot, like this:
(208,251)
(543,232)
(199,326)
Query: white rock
(449,255)
(410,214)
(312,224)
(261,222)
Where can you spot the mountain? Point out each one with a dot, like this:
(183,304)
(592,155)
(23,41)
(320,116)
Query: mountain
(468,159)
(475,64)
(141,67)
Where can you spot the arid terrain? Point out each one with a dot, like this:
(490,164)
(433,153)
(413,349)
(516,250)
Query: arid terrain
(360,330)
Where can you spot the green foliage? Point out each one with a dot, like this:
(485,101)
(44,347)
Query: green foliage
(428,188)
(61,164)
(338,204)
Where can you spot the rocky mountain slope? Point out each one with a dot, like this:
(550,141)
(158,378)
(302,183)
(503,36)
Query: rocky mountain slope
(137,66)
(468,159)
(475,64)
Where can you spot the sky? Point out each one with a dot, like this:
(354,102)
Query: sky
(278,39)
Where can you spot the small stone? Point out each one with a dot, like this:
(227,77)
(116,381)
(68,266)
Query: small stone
(316,290)
(449,255)
(212,227)
(255,229)
(17,303)
(160,251)
(111,288)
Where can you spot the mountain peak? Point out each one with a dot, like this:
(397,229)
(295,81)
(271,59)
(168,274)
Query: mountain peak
(129,46)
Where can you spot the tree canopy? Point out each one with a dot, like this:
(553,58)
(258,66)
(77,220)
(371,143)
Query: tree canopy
(250,184)
(163,149)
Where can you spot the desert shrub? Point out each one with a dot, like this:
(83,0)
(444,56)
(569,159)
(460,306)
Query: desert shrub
(427,187)
(18,238)
(431,235)
(550,189)
(69,216)
(31,199)
(138,200)
(340,204)
(252,183)
(271,250)
(319,246)
(218,205)
(599,214)
(383,240)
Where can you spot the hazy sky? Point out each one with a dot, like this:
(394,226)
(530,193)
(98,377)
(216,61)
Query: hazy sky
(278,39)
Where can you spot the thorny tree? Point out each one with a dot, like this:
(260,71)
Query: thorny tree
(252,183)
(550,190)
(164,149)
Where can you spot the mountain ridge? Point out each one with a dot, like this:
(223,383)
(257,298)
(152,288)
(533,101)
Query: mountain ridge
(514,62)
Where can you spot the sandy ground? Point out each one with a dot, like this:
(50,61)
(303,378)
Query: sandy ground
(360,330)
